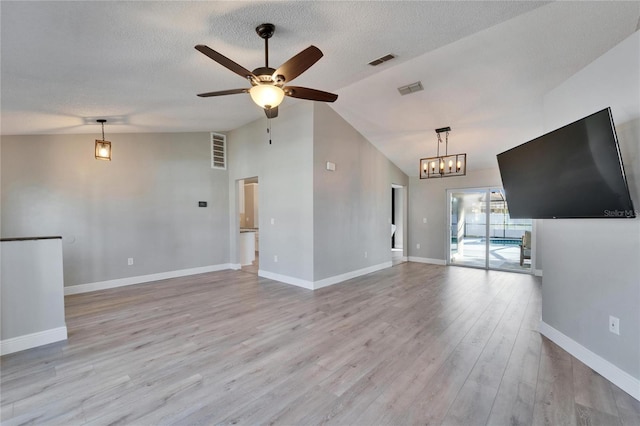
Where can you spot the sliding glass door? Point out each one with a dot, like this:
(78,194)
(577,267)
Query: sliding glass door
(483,235)
(468,229)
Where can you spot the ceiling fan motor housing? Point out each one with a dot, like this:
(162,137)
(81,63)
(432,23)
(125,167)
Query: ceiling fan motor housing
(264,75)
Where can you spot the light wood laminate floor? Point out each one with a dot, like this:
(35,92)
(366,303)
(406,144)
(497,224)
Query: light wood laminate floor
(412,344)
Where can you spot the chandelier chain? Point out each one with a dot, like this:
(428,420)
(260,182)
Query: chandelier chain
(446,142)
(446,146)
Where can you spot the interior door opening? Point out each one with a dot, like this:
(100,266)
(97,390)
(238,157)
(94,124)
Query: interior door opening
(397,223)
(483,235)
(248,225)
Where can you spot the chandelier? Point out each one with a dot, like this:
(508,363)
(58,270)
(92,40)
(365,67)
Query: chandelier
(445,165)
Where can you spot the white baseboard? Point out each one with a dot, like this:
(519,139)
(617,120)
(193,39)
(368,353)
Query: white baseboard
(120,282)
(427,260)
(606,369)
(326,282)
(315,285)
(235,266)
(28,341)
(537,272)
(286,279)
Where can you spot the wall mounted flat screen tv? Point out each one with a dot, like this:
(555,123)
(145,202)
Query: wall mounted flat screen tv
(575,171)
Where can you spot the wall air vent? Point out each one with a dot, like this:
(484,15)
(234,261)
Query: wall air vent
(410,88)
(218,151)
(379,61)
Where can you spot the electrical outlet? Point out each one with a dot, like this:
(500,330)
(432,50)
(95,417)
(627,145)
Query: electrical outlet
(365,254)
(424,220)
(273,221)
(275,258)
(614,325)
(418,246)
(130,261)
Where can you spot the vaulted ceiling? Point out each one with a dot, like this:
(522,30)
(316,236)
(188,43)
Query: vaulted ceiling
(484,66)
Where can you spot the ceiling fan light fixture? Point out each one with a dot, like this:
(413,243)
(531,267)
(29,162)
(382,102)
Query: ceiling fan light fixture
(267,96)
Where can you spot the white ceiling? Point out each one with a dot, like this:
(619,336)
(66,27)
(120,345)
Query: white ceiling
(485,65)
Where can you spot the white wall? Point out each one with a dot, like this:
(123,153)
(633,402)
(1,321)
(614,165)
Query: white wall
(143,204)
(592,267)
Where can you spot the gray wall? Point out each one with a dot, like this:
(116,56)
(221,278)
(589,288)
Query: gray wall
(143,204)
(323,221)
(285,174)
(428,200)
(351,205)
(592,267)
(32,298)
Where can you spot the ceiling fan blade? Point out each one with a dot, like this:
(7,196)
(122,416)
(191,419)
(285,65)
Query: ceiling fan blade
(310,94)
(223,92)
(224,61)
(271,112)
(298,64)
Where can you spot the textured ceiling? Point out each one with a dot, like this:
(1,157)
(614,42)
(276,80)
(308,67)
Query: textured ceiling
(484,65)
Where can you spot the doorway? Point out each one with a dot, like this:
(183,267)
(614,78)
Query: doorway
(248,224)
(397,223)
(483,235)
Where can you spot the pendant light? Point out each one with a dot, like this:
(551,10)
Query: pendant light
(103,147)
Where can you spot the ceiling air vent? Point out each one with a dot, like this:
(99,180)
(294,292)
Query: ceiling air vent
(218,151)
(379,61)
(410,88)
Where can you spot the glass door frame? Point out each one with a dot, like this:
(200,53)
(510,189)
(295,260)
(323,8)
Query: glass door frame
(487,190)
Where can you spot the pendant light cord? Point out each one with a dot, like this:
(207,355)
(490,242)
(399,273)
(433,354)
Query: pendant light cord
(102,121)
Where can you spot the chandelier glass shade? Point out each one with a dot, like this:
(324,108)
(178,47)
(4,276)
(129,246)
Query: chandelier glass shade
(267,96)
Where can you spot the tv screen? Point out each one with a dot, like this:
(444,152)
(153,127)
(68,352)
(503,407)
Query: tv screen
(573,172)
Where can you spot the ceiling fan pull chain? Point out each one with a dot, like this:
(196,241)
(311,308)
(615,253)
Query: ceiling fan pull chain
(269,129)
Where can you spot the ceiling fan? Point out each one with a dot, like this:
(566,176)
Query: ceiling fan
(267,84)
